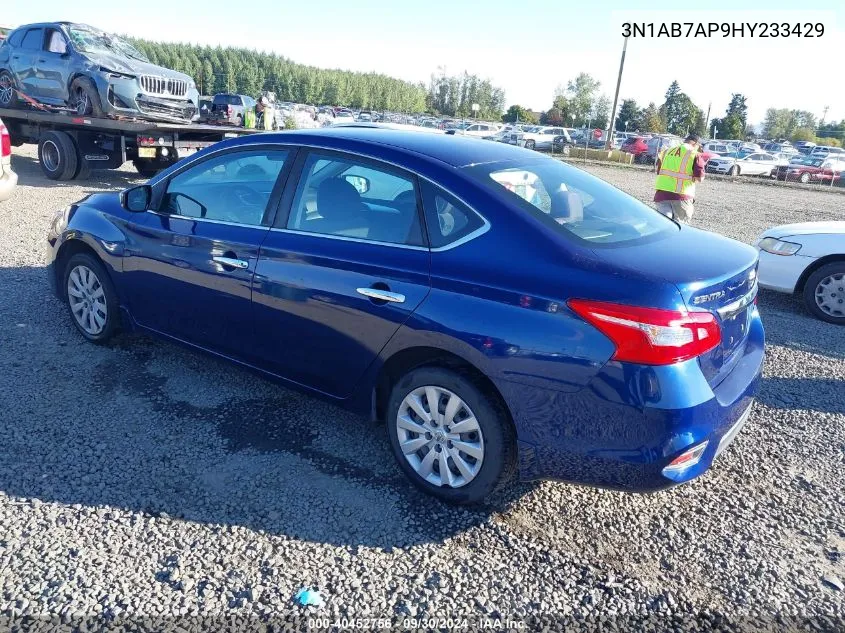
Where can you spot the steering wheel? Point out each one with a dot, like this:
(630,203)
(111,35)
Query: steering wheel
(247,196)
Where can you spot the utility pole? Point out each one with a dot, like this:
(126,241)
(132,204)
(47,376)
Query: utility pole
(824,115)
(610,126)
(707,120)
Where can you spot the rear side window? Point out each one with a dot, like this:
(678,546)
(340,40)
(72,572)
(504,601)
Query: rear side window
(447,218)
(33,40)
(575,204)
(16,38)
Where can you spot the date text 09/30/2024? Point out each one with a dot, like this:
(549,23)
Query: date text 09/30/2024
(722,29)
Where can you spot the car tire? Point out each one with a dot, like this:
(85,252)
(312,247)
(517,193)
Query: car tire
(84,98)
(804,178)
(8,97)
(494,440)
(529,144)
(239,121)
(58,156)
(826,286)
(85,278)
(733,171)
(566,150)
(148,168)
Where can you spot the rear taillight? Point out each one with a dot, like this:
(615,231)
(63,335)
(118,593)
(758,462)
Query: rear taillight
(649,336)
(5,142)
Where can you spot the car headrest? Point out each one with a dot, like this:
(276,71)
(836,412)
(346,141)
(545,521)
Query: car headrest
(567,206)
(337,198)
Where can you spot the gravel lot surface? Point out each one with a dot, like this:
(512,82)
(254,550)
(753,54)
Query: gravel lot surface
(143,480)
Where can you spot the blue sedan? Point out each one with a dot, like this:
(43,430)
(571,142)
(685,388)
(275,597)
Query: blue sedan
(500,311)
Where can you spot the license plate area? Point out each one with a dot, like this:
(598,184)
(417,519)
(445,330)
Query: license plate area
(147,152)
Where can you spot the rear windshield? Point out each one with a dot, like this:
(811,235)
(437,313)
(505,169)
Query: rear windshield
(573,203)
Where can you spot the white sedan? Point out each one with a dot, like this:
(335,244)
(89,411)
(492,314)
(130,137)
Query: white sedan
(756,164)
(808,258)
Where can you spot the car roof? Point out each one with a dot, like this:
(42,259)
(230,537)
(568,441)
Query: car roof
(456,151)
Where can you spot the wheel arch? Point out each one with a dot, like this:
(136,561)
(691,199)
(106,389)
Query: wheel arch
(408,359)
(821,261)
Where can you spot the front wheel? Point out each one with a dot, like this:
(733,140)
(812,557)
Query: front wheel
(450,439)
(91,298)
(734,171)
(805,178)
(84,98)
(529,144)
(824,293)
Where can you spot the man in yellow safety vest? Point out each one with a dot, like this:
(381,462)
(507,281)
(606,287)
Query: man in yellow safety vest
(678,169)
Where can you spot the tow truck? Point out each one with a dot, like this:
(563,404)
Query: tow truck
(69,146)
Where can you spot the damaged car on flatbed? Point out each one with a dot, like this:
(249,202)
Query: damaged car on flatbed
(91,73)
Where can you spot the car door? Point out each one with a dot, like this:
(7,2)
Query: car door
(344,267)
(22,61)
(190,260)
(52,66)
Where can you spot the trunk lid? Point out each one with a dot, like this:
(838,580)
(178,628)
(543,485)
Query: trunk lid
(712,273)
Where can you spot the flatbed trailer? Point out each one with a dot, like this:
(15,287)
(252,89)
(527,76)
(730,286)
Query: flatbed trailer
(69,146)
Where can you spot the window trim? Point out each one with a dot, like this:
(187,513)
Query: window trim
(270,207)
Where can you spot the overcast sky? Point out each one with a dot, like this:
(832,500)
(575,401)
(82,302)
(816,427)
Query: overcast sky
(528,48)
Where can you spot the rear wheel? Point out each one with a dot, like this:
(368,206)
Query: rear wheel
(57,156)
(84,98)
(824,293)
(805,178)
(449,438)
(8,97)
(529,144)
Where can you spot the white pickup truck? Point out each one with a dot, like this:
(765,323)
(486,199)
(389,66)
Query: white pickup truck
(537,136)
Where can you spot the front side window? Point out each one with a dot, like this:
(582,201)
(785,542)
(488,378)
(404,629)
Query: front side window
(349,197)
(573,203)
(234,187)
(56,42)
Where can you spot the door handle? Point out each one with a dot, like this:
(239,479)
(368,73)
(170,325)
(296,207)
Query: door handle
(42,61)
(382,295)
(231,262)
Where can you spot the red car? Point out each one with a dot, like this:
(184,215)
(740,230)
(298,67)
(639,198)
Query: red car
(812,170)
(635,145)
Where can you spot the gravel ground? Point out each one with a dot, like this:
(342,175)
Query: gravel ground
(146,483)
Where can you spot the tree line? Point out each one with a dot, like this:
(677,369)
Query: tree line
(581,103)
(244,71)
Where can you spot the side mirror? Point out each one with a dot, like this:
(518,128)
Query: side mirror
(136,199)
(361,183)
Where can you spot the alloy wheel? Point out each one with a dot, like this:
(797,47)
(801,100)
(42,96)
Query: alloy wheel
(87,299)
(80,101)
(440,437)
(6,90)
(830,295)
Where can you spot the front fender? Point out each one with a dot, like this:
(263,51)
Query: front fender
(83,227)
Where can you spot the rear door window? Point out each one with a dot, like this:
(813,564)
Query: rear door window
(33,40)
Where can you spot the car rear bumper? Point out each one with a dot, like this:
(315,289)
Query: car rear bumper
(631,422)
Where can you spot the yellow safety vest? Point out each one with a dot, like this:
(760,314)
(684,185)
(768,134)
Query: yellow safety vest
(675,173)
